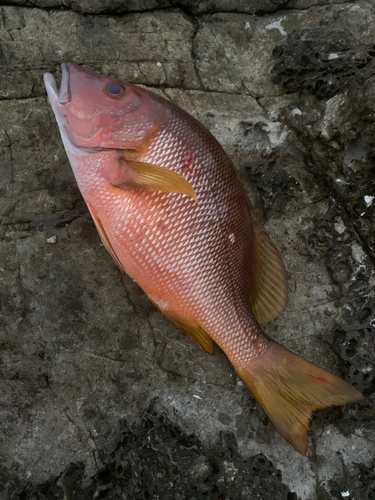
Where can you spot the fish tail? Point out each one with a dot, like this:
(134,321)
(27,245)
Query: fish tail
(289,389)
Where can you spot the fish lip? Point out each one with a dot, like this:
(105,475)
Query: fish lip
(64,95)
(50,84)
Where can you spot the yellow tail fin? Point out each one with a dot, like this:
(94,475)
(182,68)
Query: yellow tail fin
(289,389)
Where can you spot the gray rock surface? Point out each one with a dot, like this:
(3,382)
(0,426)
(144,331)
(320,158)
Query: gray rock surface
(100,395)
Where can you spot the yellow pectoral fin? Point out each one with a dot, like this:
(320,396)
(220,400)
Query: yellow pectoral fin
(104,238)
(135,174)
(270,290)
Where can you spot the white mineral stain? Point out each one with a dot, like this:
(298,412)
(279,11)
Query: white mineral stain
(333,105)
(296,111)
(247,25)
(358,253)
(196,396)
(340,180)
(332,56)
(158,64)
(276,25)
(369,200)
(276,133)
(361,267)
(345,494)
(52,240)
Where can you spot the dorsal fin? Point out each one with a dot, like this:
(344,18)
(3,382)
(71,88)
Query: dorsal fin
(270,288)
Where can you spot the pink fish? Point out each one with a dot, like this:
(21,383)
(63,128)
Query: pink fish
(171,209)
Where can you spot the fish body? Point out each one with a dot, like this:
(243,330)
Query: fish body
(171,209)
(191,258)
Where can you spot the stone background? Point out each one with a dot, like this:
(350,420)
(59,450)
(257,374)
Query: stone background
(102,397)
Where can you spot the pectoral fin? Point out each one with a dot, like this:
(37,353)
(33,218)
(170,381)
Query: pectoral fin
(104,238)
(138,175)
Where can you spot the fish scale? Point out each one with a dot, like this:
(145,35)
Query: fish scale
(172,211)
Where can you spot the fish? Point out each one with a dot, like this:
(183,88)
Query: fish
(171,209)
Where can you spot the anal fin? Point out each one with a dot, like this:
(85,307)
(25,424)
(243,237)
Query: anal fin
(192,329)
(195,333)
(198,336)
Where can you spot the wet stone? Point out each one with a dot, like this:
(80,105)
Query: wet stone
(321,60)
(155,459)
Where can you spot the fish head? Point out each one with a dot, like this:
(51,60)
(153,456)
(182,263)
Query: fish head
(97,112)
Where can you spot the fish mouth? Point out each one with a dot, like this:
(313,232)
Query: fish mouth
(63,95)
(58,100)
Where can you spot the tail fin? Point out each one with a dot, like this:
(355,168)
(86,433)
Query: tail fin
(289,389)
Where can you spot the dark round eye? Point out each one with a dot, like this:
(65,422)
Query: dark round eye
(115,90)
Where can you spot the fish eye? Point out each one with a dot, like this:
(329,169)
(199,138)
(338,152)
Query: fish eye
(115,90)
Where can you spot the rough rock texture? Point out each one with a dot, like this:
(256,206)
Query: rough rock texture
(101,396)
